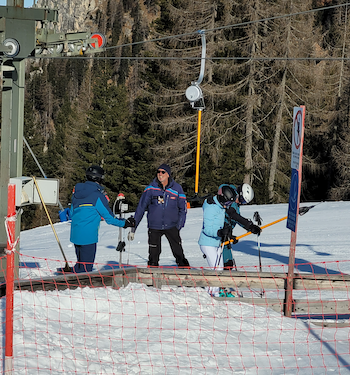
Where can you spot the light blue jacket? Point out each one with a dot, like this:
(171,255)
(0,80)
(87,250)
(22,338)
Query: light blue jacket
(213,220)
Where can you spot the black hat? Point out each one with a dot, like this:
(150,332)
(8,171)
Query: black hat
(166,168)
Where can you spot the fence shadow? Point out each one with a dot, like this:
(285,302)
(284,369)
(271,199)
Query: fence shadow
(302,265)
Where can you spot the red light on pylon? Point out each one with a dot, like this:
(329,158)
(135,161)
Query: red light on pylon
(101,40)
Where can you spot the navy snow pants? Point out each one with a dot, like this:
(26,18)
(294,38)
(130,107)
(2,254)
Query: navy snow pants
(85,257)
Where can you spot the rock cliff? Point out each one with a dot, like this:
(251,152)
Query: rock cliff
(75,15)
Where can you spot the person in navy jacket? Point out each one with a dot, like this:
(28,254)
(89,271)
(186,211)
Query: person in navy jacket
(89,206)
(166,204)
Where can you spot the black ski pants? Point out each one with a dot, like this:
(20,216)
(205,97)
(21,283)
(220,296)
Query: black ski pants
(154,242)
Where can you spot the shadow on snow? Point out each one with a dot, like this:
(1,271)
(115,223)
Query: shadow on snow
(302,265)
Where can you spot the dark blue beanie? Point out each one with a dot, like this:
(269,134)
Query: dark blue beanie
(166,168)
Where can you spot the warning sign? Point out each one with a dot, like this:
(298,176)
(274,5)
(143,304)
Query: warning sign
(298,136)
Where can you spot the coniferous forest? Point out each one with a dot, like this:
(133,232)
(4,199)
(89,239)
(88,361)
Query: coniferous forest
(126,110)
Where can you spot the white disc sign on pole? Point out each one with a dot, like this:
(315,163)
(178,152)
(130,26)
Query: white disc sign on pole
(298,133)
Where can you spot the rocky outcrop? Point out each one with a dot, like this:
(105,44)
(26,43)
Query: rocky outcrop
(75,15)
(100,15)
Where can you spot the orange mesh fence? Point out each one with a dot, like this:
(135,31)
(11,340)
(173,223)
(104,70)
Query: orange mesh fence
(137,320)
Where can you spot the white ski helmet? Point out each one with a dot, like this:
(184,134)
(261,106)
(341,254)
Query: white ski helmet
(246,193)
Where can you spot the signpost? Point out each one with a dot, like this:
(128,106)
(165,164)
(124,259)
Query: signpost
(294,197)
(19,39)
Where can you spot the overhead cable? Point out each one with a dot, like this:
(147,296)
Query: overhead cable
(231,26)
(317,59)
(206,31)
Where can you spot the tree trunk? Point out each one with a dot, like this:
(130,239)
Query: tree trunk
(276,142)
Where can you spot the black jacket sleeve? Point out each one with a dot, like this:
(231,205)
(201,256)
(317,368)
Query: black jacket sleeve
(246,224)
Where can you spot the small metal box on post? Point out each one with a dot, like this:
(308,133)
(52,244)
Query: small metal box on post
(26,193)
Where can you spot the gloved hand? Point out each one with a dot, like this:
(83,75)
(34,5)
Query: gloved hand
(254,229)
(131,236)
(224,232)
(129,222)
(233,240)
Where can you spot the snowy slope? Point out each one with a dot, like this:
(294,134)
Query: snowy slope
(323,236)
(142,330)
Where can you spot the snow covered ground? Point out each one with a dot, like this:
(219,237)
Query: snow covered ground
(323,236)
(142,330)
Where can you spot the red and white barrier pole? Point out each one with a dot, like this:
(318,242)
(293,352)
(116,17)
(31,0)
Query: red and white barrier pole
(11,244)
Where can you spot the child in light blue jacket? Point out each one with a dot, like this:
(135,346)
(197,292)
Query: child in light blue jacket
(215,230)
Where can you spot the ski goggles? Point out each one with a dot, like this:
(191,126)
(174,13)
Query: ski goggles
(241,199)
(228,203)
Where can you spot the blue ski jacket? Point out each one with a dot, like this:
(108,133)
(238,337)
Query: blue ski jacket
(167,208)
(213,220)
(89,206)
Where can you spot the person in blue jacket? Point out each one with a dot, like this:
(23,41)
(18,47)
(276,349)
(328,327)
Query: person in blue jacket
(166,204)
(244,195)
(89,206)
(215,231)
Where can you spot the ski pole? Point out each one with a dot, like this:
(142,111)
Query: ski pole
(67,268)
(258,220)
(302,211)
(218,256)
(262,291)
(128,252)
(234,263)
(260,267)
